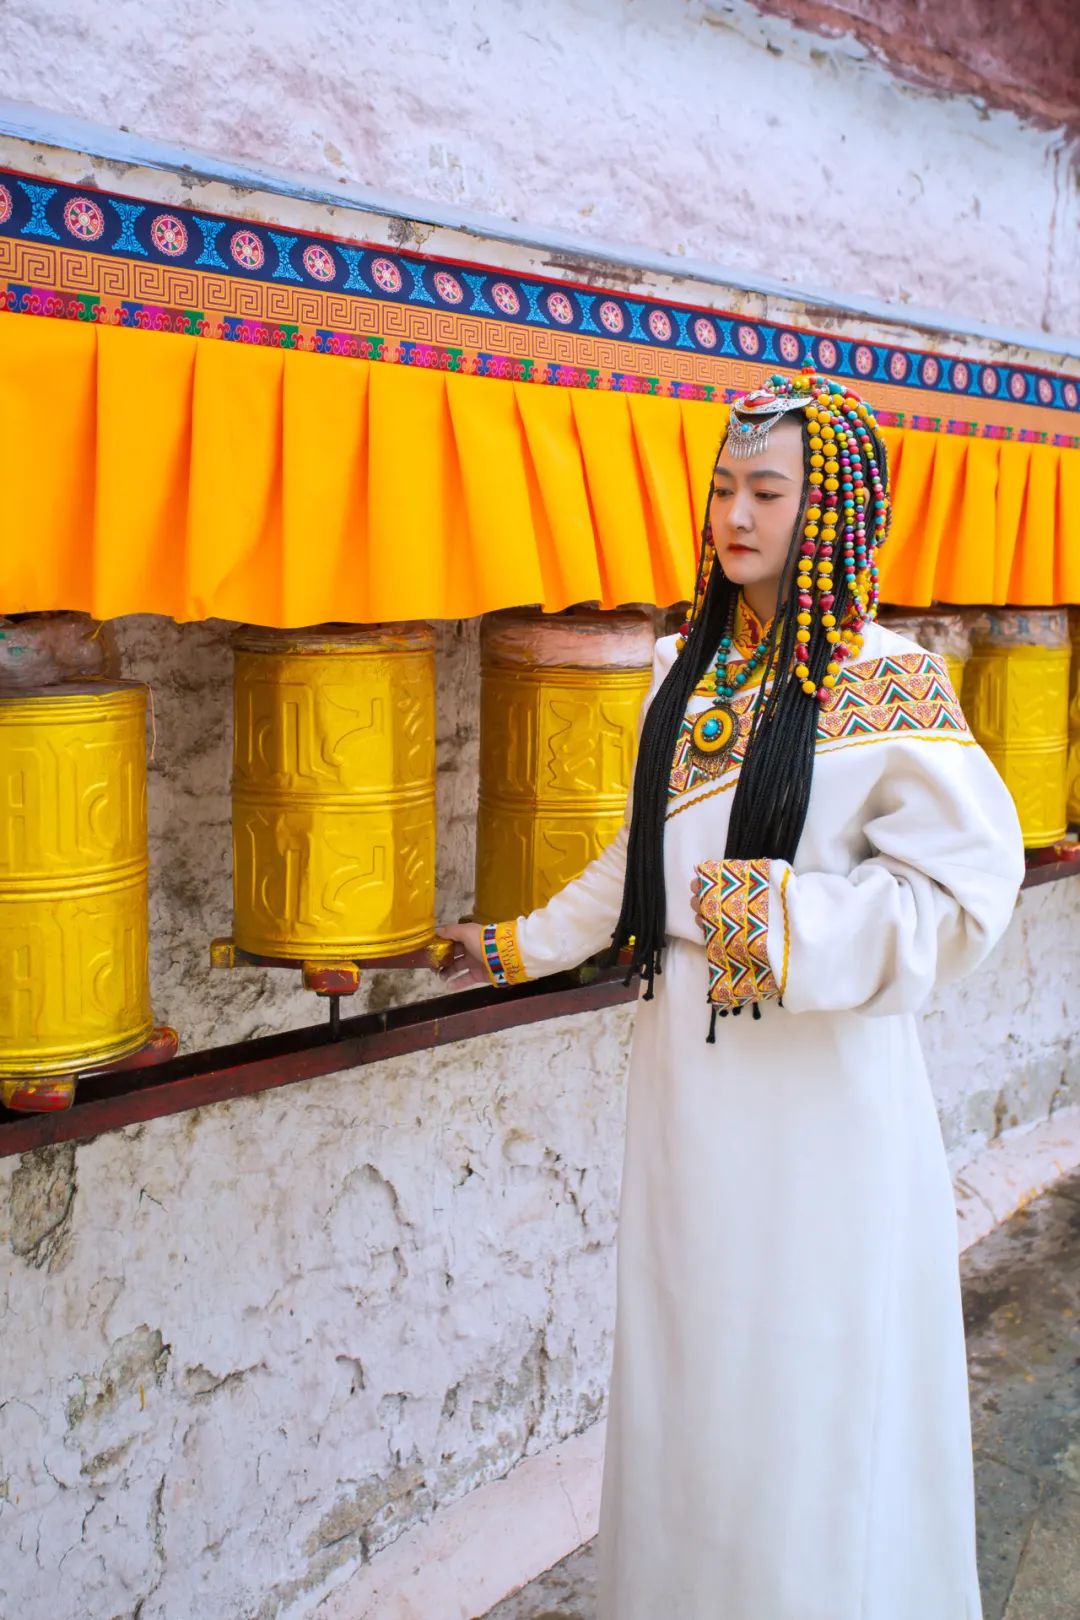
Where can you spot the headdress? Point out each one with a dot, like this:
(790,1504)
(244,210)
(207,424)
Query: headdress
(846,514)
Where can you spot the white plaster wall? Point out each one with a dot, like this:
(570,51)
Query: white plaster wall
(247,1347)
(693,126)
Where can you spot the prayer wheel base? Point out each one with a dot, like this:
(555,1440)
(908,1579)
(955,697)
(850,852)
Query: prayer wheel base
(44,1094)
(341,978)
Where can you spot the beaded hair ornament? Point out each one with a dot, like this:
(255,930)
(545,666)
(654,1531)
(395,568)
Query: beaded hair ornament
(845,520)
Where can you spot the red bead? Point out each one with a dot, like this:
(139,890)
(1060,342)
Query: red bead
(805,599)
(823,694)
(808,548)
(827,600)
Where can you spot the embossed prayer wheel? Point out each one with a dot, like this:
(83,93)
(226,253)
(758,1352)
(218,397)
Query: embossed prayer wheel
(1016,698)
(1074,723)
(74,983)
(559,706)
(334,791)
(940,630)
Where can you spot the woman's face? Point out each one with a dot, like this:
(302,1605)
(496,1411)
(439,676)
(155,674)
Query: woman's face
(755,504)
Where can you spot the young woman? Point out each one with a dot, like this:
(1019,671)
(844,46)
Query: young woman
(814,843)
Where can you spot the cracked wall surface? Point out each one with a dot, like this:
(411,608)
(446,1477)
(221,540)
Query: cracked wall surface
(280,1331)
(247,1347)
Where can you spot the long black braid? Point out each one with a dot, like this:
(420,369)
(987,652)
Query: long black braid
(772,795)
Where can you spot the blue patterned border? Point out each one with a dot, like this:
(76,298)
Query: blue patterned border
(96,222)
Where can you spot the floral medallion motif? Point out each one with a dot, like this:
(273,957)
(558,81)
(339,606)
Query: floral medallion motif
(84,219)
(247,250)
(169,235)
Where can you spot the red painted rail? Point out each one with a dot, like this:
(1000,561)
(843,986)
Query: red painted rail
(196,1079)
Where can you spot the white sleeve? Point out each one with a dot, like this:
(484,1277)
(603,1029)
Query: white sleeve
(924,909)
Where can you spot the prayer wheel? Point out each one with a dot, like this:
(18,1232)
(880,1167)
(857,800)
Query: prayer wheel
(559,705)
(74,983)
(1016,698)
(939,630)
(1074,724)
(334,792)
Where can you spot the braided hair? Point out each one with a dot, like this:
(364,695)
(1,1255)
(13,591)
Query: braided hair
(772,795)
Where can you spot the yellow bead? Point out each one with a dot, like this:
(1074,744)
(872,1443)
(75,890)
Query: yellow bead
(828,620)
(817,461)
(803,618)
(831,485)
(828,680)
(802,671)
(832,636)
(803,636)
(809,688)
(832,467)
(811,531)
(825,566)
(828,431)
(832,669)
(813,513)
(816,442)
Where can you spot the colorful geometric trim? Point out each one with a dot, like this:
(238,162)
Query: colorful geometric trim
(734,908)
(906,694)
(80,254)
(501,955)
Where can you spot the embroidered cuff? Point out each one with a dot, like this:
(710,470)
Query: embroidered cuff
(501,955)
(734,902)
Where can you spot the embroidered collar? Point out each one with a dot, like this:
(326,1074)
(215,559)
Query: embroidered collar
(749,632)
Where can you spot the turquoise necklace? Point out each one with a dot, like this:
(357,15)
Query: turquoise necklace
(714,729)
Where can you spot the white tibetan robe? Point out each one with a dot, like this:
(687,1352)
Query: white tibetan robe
(789,1433)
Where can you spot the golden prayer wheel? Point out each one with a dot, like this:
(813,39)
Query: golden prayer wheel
(1074,724)
(1016,698)
(74,985)
(334,792)
(559,705)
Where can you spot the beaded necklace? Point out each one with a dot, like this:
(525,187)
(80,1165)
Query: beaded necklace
(714,729)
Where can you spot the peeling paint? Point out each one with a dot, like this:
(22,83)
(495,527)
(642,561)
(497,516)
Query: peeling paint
(43,1189)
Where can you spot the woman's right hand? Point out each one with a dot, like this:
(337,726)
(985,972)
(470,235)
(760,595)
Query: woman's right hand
(466,966)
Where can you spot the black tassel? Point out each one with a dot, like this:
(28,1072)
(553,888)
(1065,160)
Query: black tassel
(735,1011)
(710,1038)
(757,1009)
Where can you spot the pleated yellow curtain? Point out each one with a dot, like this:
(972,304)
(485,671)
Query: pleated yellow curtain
(981,521)
(156,473)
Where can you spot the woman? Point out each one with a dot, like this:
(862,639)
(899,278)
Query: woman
(814,836)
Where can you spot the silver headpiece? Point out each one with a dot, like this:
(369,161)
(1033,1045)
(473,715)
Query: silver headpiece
(764,410)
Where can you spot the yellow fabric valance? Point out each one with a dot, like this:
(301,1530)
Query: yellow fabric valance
(151,472)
